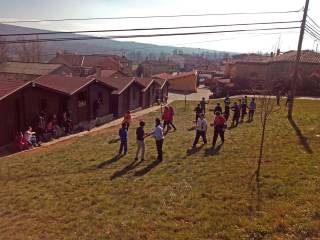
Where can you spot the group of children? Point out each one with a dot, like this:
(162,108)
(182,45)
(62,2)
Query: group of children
(221,118)
(219,124)
(158,134)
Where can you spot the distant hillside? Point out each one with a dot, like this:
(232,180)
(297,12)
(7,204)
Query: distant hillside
(133,50)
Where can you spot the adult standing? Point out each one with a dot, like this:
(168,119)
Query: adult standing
(219,128)
(201,130)
(140,141)
(252,109)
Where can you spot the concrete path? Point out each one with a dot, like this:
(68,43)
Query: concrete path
(202,92)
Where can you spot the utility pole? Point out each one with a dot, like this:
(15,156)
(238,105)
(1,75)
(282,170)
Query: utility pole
(293,84)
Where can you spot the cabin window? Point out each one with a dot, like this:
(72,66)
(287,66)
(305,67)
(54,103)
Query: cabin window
(82,99)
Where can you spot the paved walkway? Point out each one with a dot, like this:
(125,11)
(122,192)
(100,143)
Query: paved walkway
(202,92)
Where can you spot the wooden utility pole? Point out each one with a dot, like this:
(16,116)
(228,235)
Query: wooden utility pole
(293,84)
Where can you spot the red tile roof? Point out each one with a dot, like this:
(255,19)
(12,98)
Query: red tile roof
(8,87)
(120,84)
(307,56)
(161,82)
(29,68)
(182,74)
(145,82)
(164,76)
(112,73)
(88,61)
(63,84)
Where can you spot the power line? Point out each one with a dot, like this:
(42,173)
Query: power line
(314,32)
(313,28)
(147,17)
(312,35)
(146,29)
(314,22)
(182,44)
(143,35)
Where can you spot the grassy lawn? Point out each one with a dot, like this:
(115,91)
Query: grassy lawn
(78,190)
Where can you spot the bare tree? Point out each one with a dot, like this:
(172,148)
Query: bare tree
(267,107)
(4,51)
(29,51)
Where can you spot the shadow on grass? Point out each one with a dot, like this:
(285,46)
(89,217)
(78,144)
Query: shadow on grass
(303,139)
(109,162)
(194,150)
(126,169)
(148,168)
(114,141)
(192,129)
(213,151)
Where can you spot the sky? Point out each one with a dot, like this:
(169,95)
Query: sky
(234,42)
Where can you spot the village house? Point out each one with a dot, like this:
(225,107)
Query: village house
(30,71)
(277,71)
(180,82)
(152,67)
(162,90)
(12,109)
(149,94)
(85,65)
(86,99)
(188,63)
(126,96)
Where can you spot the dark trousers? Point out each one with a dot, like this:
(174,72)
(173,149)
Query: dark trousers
(167,124)
(251,113)
(235,120)
(123,146)
(226,116)
(243,114)
(218,131)
(159,144)
(199,134)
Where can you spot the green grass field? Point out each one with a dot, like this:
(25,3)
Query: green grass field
(78,190)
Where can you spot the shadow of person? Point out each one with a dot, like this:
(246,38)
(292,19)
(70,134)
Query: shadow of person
(303,139)
(232,127)
(213,151)
(148,168)
(114,141)
(194,150)
(192,129)
(109,162)
(126,169)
